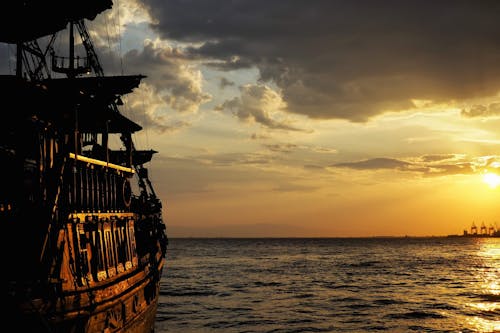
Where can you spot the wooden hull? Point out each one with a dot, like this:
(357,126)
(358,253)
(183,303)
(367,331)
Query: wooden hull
(132,310)
(144,322)
(121,295)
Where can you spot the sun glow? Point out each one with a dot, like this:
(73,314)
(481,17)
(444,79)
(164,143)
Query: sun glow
(492,179)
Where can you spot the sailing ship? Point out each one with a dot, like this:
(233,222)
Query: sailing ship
(83,237)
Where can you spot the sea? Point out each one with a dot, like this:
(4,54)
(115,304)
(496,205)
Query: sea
(408,284)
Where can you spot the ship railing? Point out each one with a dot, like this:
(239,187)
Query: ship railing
(79,65)
(106,246)
(98,186)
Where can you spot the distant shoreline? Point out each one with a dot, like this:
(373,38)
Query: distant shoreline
(332,237)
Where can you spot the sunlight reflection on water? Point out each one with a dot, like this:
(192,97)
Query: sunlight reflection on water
(488,276)
(484,326)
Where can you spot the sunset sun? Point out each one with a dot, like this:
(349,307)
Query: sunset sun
(492,179)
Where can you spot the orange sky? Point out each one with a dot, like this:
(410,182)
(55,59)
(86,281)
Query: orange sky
(339,204)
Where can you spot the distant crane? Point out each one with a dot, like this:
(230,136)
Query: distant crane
(491,230)
(483,229)
(473,229)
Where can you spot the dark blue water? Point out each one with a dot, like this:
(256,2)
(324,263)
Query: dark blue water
(331,285)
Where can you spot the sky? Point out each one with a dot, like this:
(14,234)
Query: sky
(304,118)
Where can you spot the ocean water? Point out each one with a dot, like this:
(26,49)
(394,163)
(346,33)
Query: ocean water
(435,284)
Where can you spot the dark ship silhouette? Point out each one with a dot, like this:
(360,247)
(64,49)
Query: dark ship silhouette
(83,238)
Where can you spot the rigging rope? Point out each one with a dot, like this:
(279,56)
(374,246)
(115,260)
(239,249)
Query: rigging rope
(119,37)
(107,32)
(146,129)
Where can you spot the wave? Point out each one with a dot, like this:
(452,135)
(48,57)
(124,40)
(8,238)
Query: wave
(415,315)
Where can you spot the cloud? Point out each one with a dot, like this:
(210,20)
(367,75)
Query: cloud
(282,148)
(108,27)
(313,167)
(291,147)
(433,158)
(260,136)
(428,165)
(479,110)
(147,108)
(225,83)
(294,188)
(170,73)
(325,150)
(452,169)
(260,104)
(375,163)
(171,83)
(342,58)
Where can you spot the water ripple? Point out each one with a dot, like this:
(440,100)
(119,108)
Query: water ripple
(331,285)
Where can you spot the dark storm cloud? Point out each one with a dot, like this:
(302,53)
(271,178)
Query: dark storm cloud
(346,59)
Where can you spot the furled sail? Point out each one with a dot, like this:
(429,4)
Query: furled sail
(31,19)
(55,100)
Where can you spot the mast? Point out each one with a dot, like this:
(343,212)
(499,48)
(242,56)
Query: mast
(19,59)
(74,66)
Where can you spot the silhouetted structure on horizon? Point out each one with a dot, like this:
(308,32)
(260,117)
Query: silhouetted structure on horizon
(490,231)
